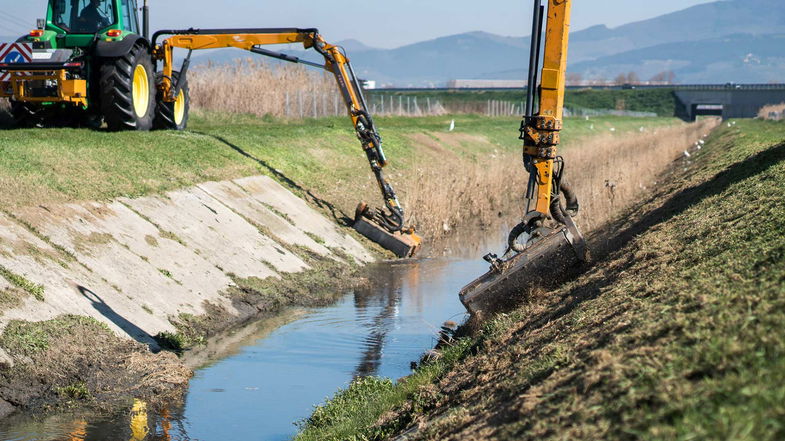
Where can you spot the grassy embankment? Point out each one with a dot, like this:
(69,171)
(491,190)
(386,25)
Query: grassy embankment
(319,159)
(673,334)
(434,170)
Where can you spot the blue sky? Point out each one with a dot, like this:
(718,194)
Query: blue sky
(379,23)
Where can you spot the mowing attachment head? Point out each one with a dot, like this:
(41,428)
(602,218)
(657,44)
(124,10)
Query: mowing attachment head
(380,227)
(544,260)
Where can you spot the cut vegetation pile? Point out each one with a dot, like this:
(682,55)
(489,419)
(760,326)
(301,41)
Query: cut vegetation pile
(674,334)
(78,359)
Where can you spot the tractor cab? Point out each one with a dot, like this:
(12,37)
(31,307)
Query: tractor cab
(77,22)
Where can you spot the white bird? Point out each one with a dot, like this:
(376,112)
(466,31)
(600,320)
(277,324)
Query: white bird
(687,154)
(452,125)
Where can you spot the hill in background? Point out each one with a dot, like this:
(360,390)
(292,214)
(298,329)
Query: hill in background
(723,41)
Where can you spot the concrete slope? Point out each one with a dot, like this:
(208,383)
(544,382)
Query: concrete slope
(135,263)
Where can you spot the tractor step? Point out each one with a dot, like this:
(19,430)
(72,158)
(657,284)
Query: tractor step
(510,282)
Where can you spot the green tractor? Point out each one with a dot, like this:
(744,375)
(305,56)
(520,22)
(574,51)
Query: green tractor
(90,62)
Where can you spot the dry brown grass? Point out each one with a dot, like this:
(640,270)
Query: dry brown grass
(772,111)
(608,172)
(456,192)
(287,91)
(254,87)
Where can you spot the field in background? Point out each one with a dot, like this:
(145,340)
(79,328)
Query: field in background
(659,101)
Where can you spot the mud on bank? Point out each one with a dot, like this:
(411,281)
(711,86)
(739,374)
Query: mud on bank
(78,361)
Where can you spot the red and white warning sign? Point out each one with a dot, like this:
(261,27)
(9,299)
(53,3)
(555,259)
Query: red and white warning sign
(14,53)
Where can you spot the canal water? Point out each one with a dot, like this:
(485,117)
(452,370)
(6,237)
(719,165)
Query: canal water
(256,383)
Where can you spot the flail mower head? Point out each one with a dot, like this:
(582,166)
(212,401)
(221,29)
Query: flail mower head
(543,262)
(378,227)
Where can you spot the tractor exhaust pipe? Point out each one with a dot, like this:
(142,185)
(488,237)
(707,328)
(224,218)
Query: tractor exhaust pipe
(146,21)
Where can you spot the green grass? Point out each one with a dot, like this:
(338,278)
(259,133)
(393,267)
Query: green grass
(28,338)
(676,336)
(23,283)
(58,165)
(76,391)
(351,414)
(172,341)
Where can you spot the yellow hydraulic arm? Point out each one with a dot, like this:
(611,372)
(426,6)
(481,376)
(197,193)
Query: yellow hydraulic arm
(546,243)
(541,131)
(335,62)
(541,125)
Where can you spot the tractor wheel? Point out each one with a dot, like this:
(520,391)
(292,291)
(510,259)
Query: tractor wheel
(127,96)
(27,115)
(172,116)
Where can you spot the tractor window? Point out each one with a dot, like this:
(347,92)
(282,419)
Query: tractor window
(83,16)
(129,16)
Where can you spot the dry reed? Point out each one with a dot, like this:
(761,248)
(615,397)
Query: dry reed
(287,91)
(608,172)
(452,194)
(772,111)
(255,87)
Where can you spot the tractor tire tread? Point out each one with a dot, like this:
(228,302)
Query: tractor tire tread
(116,85)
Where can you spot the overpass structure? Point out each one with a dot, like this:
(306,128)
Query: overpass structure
(727,101)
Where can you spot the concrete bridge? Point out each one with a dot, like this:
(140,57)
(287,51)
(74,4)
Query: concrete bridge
(727,101)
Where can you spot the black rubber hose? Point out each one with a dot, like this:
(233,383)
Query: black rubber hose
(570,198)
(556,210)
(514,234)
(392,221)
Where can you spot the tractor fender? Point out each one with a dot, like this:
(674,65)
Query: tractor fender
(112,49)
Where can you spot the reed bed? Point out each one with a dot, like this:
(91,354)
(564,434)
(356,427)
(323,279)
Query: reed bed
(255,87)
(288,91)
(609,173)
(453,194)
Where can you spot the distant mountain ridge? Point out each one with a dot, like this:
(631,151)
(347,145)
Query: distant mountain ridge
(715,42)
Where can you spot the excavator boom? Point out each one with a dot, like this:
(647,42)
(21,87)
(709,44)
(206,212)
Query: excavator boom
(383,226)
(547,243)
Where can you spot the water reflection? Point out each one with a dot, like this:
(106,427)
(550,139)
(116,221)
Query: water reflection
(270,379)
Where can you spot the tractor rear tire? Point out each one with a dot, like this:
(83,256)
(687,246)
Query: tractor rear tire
(127,91)
(172,116)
